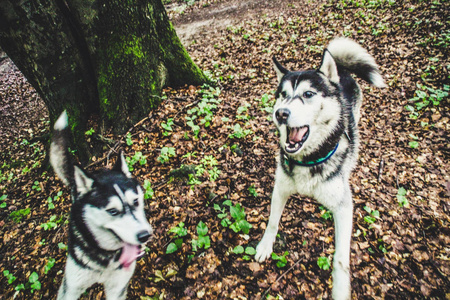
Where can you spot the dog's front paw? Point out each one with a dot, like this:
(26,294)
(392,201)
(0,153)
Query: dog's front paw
(263,250)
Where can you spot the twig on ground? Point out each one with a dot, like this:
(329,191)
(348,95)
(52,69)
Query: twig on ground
(281,276)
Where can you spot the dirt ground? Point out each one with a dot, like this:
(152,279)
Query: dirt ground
(401,187)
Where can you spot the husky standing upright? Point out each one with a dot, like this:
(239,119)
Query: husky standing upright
(317,113)
(107,225)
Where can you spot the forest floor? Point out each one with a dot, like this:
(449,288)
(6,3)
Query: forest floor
(401,238)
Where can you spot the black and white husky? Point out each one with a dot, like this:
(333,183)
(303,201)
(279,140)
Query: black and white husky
(317,113)
(107,225)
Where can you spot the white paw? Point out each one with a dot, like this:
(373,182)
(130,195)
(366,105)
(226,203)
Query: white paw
(263,250)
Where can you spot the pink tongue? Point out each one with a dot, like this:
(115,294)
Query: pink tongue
(296,134)
(129,254)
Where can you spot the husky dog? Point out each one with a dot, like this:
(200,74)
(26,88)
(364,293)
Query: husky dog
(107,225)
(317,113)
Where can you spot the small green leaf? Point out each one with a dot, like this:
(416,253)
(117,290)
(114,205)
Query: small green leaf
(401,191)
(33,277)
(221,216)
(178,242)
(238,249)
(225,222)
(202,229)
(369,219)
(414,144)
(62,246)
(250,251)
(323,263)
(227,203)
(171,248)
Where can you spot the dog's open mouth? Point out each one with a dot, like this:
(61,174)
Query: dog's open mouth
(296,136)
(129,254)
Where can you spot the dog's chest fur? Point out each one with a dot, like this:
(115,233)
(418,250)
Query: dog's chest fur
(312,181)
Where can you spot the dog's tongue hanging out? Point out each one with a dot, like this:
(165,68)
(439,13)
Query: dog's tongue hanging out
(129,254)
(296,134)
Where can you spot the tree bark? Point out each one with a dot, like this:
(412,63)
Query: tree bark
(96,57)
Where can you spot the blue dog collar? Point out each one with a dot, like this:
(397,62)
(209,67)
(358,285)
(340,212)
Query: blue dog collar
(313,163)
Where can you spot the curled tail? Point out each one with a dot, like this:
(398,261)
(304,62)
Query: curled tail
(59,151)
(351,56)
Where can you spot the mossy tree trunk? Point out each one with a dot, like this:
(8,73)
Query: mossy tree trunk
(109,58)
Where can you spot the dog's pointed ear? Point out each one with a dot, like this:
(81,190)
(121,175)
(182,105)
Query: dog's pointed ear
(329,67)
(83,183)
(121,165)
(279,69)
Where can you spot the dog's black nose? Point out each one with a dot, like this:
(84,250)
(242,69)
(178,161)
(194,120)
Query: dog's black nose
(282,115)
(143,236)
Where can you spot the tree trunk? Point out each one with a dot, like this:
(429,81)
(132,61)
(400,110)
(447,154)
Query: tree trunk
(96,57)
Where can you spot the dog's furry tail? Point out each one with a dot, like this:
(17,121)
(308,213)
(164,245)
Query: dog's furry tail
(59,150)
(354,58)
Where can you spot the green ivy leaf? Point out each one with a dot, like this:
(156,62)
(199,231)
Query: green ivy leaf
(202,229)
(171,248)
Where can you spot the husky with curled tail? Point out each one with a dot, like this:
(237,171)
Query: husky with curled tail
(107,225)
(316,114)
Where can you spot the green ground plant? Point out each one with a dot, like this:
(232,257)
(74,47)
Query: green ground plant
(128,139)
(17,215)
(426,96)
(249,251)
(373,215)
(179,232)
(280,259)
(203,112)
(324,263)
(325,214)
(50,264)
(167,126)
(236,220)
(148,191)
(51,199)
(33,283)
(203,240)
(252,191)
(138,157)
(239,132)
(9,276)
(52,223)
(401,197)
(166,154)
(3,201)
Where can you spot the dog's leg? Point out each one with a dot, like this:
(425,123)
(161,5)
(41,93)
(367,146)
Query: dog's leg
(117,284)
(76,280)
(69,291)
(280,196)
(341,205)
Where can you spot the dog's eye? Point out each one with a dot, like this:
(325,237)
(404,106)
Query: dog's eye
(113,212)
(308,94)
(283,94)
(136,202)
